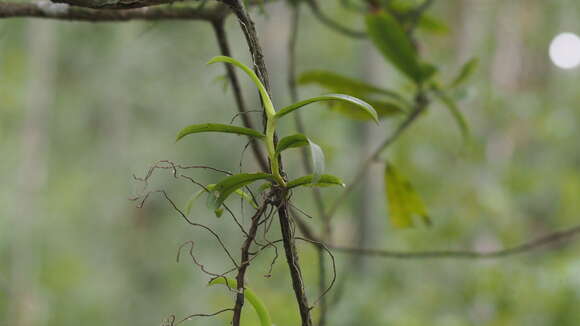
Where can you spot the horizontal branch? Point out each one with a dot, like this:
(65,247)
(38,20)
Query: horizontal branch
(61,11)
(333,24)
(116,4)
(544,241)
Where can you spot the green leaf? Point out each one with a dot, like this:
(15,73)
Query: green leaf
(191,200)
(218,212)
(360,104)
(391,40)
(227,186)
(384,109)
(466,71)
(292,141)
(316,154)
(324,180)
(433,25)
(455,112)
(218,127)
(252,298)
(318,162)
(263,92)
(210,203)
(402,199)
(341,84)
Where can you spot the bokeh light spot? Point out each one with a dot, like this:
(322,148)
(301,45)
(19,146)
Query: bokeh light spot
(565,50)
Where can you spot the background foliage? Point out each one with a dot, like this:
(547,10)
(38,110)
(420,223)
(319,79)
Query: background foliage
(85,106)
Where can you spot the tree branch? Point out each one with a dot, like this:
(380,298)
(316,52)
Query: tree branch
(66,12)
(525,247)
(130,4)
(116,4)
(257,55)
(249,30)
(544,241)
(332,24)
(244,263)
(293,264)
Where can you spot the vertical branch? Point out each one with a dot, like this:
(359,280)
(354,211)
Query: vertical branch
(221,36)
(293,263)
(244,263)
(249,30)
(255,49)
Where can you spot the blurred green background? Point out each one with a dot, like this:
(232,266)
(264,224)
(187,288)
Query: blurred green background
(85,106)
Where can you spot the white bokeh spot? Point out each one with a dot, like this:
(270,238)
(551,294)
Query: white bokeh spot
(565,50)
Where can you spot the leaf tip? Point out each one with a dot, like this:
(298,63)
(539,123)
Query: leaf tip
(219,58)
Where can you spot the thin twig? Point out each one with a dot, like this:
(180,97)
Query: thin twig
(319,244)
(190,317)
(543,241)
(198,264)
(332,24)
(245,262)
(190,222)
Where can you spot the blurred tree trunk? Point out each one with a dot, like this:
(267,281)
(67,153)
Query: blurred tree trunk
(27,302)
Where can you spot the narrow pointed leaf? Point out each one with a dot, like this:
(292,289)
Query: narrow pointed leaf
(210,203)
(292,141)
(466,71)
(218,127)
(384,109)
(252,298)
(263,92)
(227,186)
(341,84)
(403,202)
(390,39)
(191,200)
(324,180)
(455,112)
(360,104)
(318,162)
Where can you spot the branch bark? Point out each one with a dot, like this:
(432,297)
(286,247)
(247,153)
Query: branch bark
(72,13)
(116,4)
(244,263)
(293,264)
